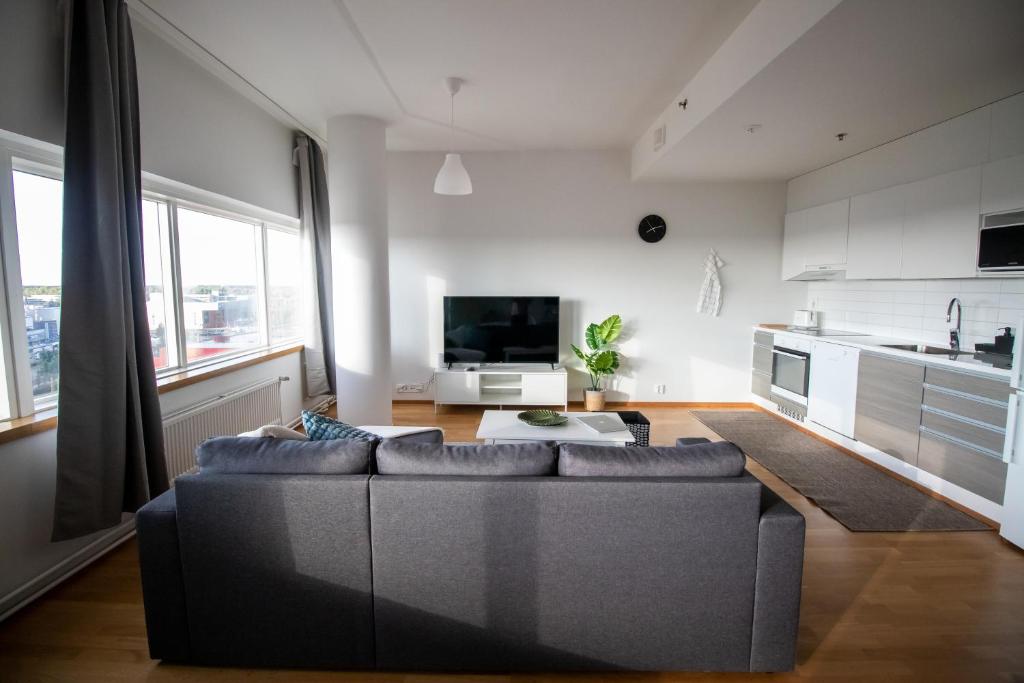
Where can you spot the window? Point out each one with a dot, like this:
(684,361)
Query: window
(218,283)
(159,296)
(38,206)
(284,268)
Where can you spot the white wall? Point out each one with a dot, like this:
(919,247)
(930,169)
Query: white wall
(564,223)
(31,69)
(197,130)
(194,128)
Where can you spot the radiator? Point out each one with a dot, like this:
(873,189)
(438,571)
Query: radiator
(233,412)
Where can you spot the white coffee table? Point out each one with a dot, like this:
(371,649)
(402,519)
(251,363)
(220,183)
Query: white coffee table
(502,426)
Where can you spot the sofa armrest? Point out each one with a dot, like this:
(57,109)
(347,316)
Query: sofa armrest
(163,585)
(780,560)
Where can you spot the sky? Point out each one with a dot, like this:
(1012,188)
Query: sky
(214,250)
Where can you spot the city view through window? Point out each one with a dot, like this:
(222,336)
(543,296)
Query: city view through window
(219,284)
(38,203)
(220,275)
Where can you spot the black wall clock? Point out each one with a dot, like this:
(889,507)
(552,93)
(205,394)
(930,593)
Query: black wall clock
(652,228)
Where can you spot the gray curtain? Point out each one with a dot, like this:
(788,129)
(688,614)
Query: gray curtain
(110,453)
(315,214)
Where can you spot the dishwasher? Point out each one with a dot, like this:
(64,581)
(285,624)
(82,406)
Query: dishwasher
(832,389)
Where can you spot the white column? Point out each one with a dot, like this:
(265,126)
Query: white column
(357,186)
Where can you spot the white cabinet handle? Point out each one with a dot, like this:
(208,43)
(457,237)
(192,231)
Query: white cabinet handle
(1011,429)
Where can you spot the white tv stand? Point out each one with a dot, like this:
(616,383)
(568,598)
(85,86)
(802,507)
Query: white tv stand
(502,385)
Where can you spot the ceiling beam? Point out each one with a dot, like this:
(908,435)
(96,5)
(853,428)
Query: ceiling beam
(770,28)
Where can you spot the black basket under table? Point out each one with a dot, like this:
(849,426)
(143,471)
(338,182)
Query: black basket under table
(638,425)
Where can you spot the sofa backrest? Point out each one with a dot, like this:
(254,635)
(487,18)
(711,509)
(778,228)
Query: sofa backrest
(528,458)
(268,455)
(299,541)
(719,459)
(550,573)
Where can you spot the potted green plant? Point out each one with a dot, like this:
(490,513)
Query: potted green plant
(602,360)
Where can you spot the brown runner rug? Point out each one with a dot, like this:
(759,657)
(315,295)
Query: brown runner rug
(857,495)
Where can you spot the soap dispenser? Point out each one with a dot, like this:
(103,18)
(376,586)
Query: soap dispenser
(1004,342)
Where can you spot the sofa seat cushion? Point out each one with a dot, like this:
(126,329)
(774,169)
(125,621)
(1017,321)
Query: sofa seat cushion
(527,459)
(718,459)
(267,455)
(322,428)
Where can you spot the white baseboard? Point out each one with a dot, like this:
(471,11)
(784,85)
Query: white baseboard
(65,569)
(958,495)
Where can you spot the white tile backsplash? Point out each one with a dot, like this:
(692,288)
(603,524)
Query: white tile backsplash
(916,309)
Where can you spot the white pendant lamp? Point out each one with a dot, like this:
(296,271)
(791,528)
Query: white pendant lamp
(453,179)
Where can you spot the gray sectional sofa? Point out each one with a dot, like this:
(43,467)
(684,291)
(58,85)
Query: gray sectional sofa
(510,557)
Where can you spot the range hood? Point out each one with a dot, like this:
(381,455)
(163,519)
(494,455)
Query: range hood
(824,271)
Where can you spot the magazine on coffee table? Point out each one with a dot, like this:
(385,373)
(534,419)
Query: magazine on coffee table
(603,424)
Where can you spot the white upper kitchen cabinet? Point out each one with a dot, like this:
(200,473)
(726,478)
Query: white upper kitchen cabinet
(1002,185)
(794,244)
(940,226)
(874,250)
(827,227)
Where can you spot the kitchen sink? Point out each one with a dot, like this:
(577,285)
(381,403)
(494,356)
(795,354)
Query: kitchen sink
(924,348)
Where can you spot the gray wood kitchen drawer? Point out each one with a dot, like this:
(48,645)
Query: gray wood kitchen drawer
(986,387)
(973,434)
(764,338)
(888,413)
(761,384)
(981,411)
(979,473)
(763,358)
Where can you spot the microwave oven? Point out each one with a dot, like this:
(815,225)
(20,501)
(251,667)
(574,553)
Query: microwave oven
(1001,243)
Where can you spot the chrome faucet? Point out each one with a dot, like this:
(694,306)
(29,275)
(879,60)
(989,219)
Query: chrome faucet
(954,332)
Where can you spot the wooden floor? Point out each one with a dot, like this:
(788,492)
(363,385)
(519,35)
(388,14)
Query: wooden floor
(915,606)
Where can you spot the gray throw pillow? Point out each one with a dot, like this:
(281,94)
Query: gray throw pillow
(266,455)
(718,459)
(527,459)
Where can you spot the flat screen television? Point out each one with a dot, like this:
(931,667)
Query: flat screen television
(501,329)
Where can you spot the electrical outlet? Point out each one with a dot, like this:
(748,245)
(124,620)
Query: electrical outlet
(411,388)
(659,388)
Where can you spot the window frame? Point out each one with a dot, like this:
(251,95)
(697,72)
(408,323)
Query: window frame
(297,233)
(20,153)
(26,156)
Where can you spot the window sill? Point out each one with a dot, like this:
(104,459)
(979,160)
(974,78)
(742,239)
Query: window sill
(20,427)
(45,420)
(184,378)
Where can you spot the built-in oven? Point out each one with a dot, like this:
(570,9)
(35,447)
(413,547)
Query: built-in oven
(791,368)
(1001,243)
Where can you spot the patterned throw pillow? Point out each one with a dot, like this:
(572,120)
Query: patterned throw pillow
(322,428)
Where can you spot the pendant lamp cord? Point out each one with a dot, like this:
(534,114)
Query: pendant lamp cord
(451,121)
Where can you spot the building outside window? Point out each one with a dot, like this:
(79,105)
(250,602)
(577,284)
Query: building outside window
(219,284)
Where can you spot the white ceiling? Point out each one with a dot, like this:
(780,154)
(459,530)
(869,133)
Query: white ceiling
(541,74)
(874,69)
(585,74)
